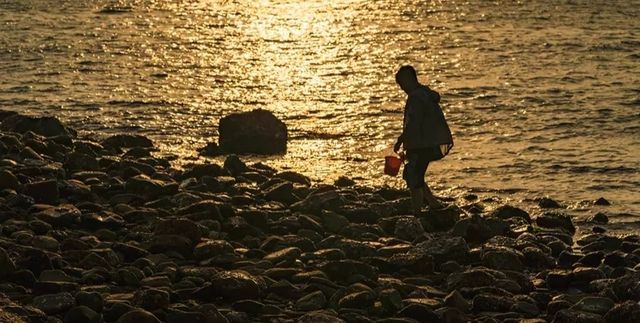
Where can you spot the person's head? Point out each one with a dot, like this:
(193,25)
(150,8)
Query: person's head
(407,78)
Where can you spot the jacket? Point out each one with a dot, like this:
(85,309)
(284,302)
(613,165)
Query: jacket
(424,124)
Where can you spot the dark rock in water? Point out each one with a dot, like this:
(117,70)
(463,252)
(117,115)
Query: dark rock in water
(54,303)
(344,181)
(627,312)
(554,220)
(126,141)
(601,201)
(548,203)
(508,211)
(138,316)
(311,302)
(82,314)
(234,165)
(44,191)
(294,177)
(8,180)
(257,132)
(232,285)
(45,126)
(599,218)
(210,150)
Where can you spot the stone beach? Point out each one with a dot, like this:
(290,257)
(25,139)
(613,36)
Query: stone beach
(106,232)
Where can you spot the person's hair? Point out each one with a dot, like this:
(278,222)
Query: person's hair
(407,70)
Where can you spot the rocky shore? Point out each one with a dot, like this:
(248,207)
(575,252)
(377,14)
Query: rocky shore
(106,232)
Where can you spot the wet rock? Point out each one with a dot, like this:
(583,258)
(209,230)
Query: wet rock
(294,177)
(342,270)
(212,248)
(152,299)
(408,228)
(232,285)
(476,277)
(443,248)
(344,181)
(391,300)
(477,229)
(82,314)
(333,222)
(318,201)
(627,312)
(234,165)
(311,302)
(456,300)
(601,201)
(170,243)
(144,186)
(126,141)
(570,316)
(45,126)
(556,221)
(419,312)
(547,203)
(558,279)
(503,259)
(211,149)
(599,218)
(320,317)
(491,303)
(282,192)
(138,316)
(43,191)
(594,304)
(258,132)
(508,211)
(358,300)
(54,303)
(286,255)
(7,266)
(181,227)
(92,300)
(8,180)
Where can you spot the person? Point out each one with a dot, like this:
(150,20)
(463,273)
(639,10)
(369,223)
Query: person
(425,136)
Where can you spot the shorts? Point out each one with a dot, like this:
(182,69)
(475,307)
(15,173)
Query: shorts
(417,164)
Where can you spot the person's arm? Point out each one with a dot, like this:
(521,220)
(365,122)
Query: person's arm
(412,121)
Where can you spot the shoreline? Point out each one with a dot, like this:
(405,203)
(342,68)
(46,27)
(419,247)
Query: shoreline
(104,231)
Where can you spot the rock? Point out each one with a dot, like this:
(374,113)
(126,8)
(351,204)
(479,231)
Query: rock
(258,132)
(62,215)
(311,302)
(594,304)
(441,219)
(287,254)
(359,300)
(232,285)
(547,203)
(508,211)
(477,229)
(282,192)
(333,222)
(82,314)
(45,126)
(138,316)
(408,228)
(210,150)
(318,201)
(294,177)
(476,277)
(212,248)
(570,316)
(7,266)
(599,218)
(127,141)
(558,279)
(503,259)
(627,312)
(92,300)
(320,317)
(170,243)
(43,191)
(456,300)
(601,201)
(391,300)
(419,312)
(54,303)
(181,227)
(443,248)
(342,270)
(344,181)
(234,165)
(144,186)
(554,220)
(8,180)
(152,299)
(491,303)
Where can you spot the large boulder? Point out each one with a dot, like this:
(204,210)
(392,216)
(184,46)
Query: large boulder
(45,126)
(254,132)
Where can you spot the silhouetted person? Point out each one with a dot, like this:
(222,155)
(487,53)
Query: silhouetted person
(425,136)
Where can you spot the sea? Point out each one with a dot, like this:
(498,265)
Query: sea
(542,96)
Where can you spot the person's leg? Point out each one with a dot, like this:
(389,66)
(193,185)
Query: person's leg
(417,197)
(412,175)
(431,199)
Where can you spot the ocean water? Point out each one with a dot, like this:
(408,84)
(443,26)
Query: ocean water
(543,96)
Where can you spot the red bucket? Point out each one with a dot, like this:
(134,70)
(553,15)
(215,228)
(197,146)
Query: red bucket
(392,165)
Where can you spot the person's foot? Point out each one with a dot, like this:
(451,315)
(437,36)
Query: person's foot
(436,205)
